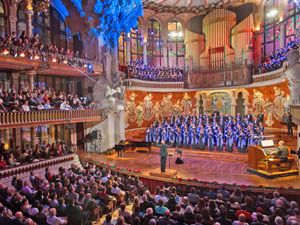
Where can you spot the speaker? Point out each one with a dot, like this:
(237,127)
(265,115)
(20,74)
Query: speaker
(90,89)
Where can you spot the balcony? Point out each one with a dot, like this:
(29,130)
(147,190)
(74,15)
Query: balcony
(50,64)
(152,84)
(233,75)
(21,119)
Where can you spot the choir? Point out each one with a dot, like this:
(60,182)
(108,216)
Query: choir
(217,131)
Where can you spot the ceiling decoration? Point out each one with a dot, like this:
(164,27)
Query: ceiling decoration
(184,6)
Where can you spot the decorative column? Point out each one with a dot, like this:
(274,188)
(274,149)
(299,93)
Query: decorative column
(282,35)
(165,53)
(128,48)
(13,16)
(51,135)
(34,139)
(31,74)
(29,13)
(110,129)
(15,77)
(145,44)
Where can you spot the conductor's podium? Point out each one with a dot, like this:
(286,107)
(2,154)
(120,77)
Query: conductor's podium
(261,162)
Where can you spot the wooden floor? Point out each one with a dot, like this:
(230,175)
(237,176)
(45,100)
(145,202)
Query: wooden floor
(203,165)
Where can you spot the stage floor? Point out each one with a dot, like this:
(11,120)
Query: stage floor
(208,166)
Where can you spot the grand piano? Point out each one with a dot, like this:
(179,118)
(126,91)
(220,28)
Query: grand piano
(123,145)
(261,158)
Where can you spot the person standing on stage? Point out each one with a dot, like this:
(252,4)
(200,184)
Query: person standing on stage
(219,140)
(229,141)
(290,124)
(163,156)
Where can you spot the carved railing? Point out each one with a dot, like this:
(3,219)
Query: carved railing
(276,74)
(231,76)
(16,170)
(18,119)
(152,84)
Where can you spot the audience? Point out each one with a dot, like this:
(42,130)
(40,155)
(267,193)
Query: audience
(41,201)
(276,60)
(33,49)
(27,100)
(28,155)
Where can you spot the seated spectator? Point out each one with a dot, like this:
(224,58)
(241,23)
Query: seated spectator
(166,219)
(65,106)
(25,107)
(160,208)
(40,106)
(2,162)
(52,219)
(241,221)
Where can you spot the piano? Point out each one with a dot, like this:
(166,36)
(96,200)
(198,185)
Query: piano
(123,145)
(261,157)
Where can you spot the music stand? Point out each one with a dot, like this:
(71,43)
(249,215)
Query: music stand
(170,155)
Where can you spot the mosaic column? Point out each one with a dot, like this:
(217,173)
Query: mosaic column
(31,74)
(128,48)
(29,13)
(145,44)
(282,35)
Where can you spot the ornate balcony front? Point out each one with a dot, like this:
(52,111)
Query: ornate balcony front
(21,119)
(58,65)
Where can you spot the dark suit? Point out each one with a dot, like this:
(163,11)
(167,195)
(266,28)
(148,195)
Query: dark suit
(290,125)
(282,153)
(163,156)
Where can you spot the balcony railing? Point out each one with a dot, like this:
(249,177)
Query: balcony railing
(152,84)
(19,119)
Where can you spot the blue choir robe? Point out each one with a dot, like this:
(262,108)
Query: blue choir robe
(193,139)
(178,138)
(172,137)
(251,140)
(186,139)
(242,143)
(210,142)
(229,142)
(149,134)
(156,136)
(260,139)
(164,136)
(219,142)
(201,140)
(261,129)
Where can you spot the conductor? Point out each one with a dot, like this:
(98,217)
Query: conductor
(163,156)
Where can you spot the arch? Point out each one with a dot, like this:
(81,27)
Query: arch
(176,19)
(155,18)
(61,8)
(4,13)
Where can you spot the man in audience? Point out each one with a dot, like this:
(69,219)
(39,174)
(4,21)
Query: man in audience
(52,219)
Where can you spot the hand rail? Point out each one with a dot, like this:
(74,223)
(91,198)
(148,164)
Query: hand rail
(18,118)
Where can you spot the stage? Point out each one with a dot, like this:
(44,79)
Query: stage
(222,167)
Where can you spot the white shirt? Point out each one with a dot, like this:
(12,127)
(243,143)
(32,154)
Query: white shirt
(26,108)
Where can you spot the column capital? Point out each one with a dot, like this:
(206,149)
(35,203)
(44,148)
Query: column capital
(28,12)
(30,73)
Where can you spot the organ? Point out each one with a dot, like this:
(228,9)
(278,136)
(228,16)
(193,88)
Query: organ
(225,41)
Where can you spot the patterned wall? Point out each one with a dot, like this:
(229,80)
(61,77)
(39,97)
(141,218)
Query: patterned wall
(144,107)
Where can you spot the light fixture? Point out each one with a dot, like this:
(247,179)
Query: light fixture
(36,57)
(22,54)
(272,13)
(85,65)
(65,61)
(5,51)
(54,60)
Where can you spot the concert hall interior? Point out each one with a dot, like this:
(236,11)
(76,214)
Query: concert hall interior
(149,112)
